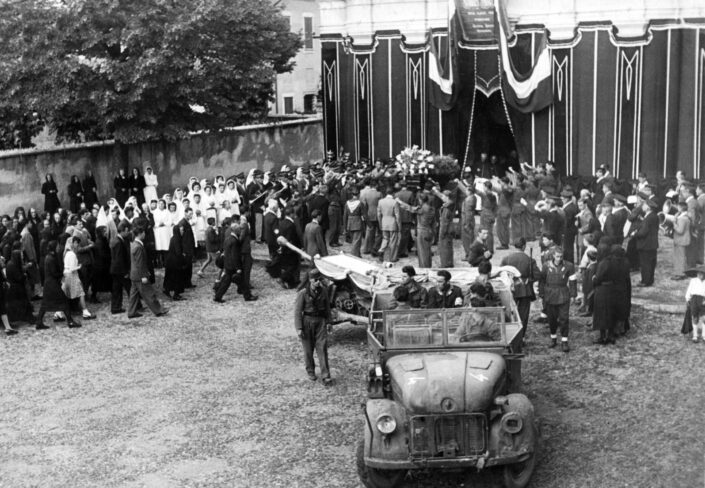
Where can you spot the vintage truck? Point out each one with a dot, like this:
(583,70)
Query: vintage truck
(443,384)
(443,393)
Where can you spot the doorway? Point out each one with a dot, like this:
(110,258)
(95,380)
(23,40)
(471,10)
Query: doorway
(491,135)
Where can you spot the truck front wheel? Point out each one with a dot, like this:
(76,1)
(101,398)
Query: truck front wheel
(376,478)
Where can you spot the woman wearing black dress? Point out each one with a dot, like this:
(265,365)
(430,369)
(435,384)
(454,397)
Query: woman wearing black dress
(122,187)
(54,299)
(4,287)
(75,194)
(90,190)
(18,304)
(137,185)
(50,192)
(174,265)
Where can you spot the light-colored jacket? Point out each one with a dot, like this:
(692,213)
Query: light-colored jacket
(388,214)
(681,230)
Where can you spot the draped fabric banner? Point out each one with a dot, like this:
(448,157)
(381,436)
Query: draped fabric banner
(634,105)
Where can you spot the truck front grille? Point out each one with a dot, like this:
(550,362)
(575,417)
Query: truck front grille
(448,436)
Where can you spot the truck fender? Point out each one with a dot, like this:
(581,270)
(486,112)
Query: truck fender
(502,441)
(389,446)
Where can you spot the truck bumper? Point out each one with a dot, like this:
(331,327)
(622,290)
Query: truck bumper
(460,463)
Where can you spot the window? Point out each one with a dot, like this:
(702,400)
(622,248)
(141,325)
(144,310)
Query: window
(288,105)
(309,104)
(287,17)
(308,31)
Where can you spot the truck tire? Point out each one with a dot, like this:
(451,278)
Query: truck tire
(376,478)
(518,475)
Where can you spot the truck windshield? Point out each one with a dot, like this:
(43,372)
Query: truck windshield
(457,327)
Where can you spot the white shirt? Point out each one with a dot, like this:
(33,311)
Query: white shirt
(695,287)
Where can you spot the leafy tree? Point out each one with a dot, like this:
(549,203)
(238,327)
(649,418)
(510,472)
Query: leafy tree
(140,69)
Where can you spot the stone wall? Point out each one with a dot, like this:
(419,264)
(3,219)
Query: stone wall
(202,155)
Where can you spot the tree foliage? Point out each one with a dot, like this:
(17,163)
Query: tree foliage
(140,69)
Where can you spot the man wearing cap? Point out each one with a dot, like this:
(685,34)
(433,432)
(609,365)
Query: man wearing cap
(570,211)
(606,219)
(556,294)
(311,319)
(445,295)
(646,237)
(418,296)
(255,195)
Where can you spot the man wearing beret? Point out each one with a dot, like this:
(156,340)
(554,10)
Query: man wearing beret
(311,320)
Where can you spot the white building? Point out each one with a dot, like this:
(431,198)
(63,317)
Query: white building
(297,92)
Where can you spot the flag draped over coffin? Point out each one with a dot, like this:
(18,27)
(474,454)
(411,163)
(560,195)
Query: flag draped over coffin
(532,91)
(443,73)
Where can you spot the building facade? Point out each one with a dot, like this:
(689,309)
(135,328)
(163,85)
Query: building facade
(627,83)
(297,92)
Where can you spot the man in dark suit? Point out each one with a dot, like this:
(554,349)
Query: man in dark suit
(606,220)
(620,213)
(244,287)
(524,289)
(139,276)
(120,267)
(290,261)
(570,211)
(270,225)
(646,238)
(255,193)
(232,262)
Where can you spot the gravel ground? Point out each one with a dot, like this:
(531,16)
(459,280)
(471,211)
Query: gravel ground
(216,396)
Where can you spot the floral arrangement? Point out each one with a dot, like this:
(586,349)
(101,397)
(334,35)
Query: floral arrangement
(415,161)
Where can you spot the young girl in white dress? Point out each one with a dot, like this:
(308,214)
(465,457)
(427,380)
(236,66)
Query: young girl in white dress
(72,282)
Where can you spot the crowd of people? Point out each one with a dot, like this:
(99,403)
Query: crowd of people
(593,234)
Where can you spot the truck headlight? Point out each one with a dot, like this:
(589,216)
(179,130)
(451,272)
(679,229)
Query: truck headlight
(386,424)
(512,423)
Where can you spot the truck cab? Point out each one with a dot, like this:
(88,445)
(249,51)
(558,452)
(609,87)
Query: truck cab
(443,393)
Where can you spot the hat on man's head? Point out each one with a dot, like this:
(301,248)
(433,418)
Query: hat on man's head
(240,175)
(258,172)
(314,274)
(567,194)
(619,197)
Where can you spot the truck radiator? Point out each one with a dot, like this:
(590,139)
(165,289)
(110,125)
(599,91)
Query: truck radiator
(448,436)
